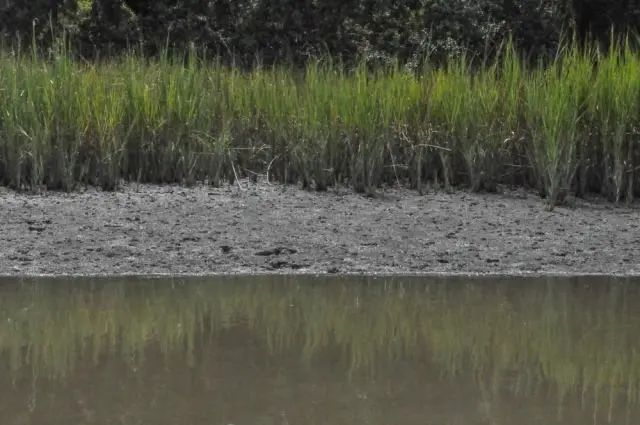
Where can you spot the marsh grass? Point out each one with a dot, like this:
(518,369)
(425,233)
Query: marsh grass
(553,101)
(565,126)
(580,340)
(614,105)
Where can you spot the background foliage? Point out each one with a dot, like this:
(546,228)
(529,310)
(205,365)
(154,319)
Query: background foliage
(375,30)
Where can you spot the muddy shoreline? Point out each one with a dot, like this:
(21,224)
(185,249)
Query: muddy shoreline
(275,229)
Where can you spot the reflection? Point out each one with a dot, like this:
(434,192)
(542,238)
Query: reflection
(288,350)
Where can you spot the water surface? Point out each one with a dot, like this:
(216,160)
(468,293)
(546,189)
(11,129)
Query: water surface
(291,350)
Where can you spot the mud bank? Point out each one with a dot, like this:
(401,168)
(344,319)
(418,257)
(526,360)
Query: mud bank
(265,228)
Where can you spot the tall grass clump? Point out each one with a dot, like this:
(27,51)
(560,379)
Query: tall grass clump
(471,123)
(363,107)
(468,122)
(320,129)
(179,119)
(554,100)
(44,130)
(614,107)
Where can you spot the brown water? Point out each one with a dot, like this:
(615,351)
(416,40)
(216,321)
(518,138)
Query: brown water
(285,350)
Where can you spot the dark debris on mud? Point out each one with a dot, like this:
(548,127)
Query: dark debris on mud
(262,229)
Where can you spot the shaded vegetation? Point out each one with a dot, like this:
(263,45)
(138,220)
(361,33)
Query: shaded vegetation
(372,30)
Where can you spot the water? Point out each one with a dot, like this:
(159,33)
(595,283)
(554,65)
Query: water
(276,350)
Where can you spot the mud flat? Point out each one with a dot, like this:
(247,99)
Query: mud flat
(153,230)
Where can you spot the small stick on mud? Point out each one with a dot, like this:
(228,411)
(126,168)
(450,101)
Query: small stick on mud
(235,173)
(269,168)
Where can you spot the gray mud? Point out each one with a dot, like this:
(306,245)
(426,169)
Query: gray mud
(148,230)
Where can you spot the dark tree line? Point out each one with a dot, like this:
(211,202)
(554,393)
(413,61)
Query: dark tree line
(376,29)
